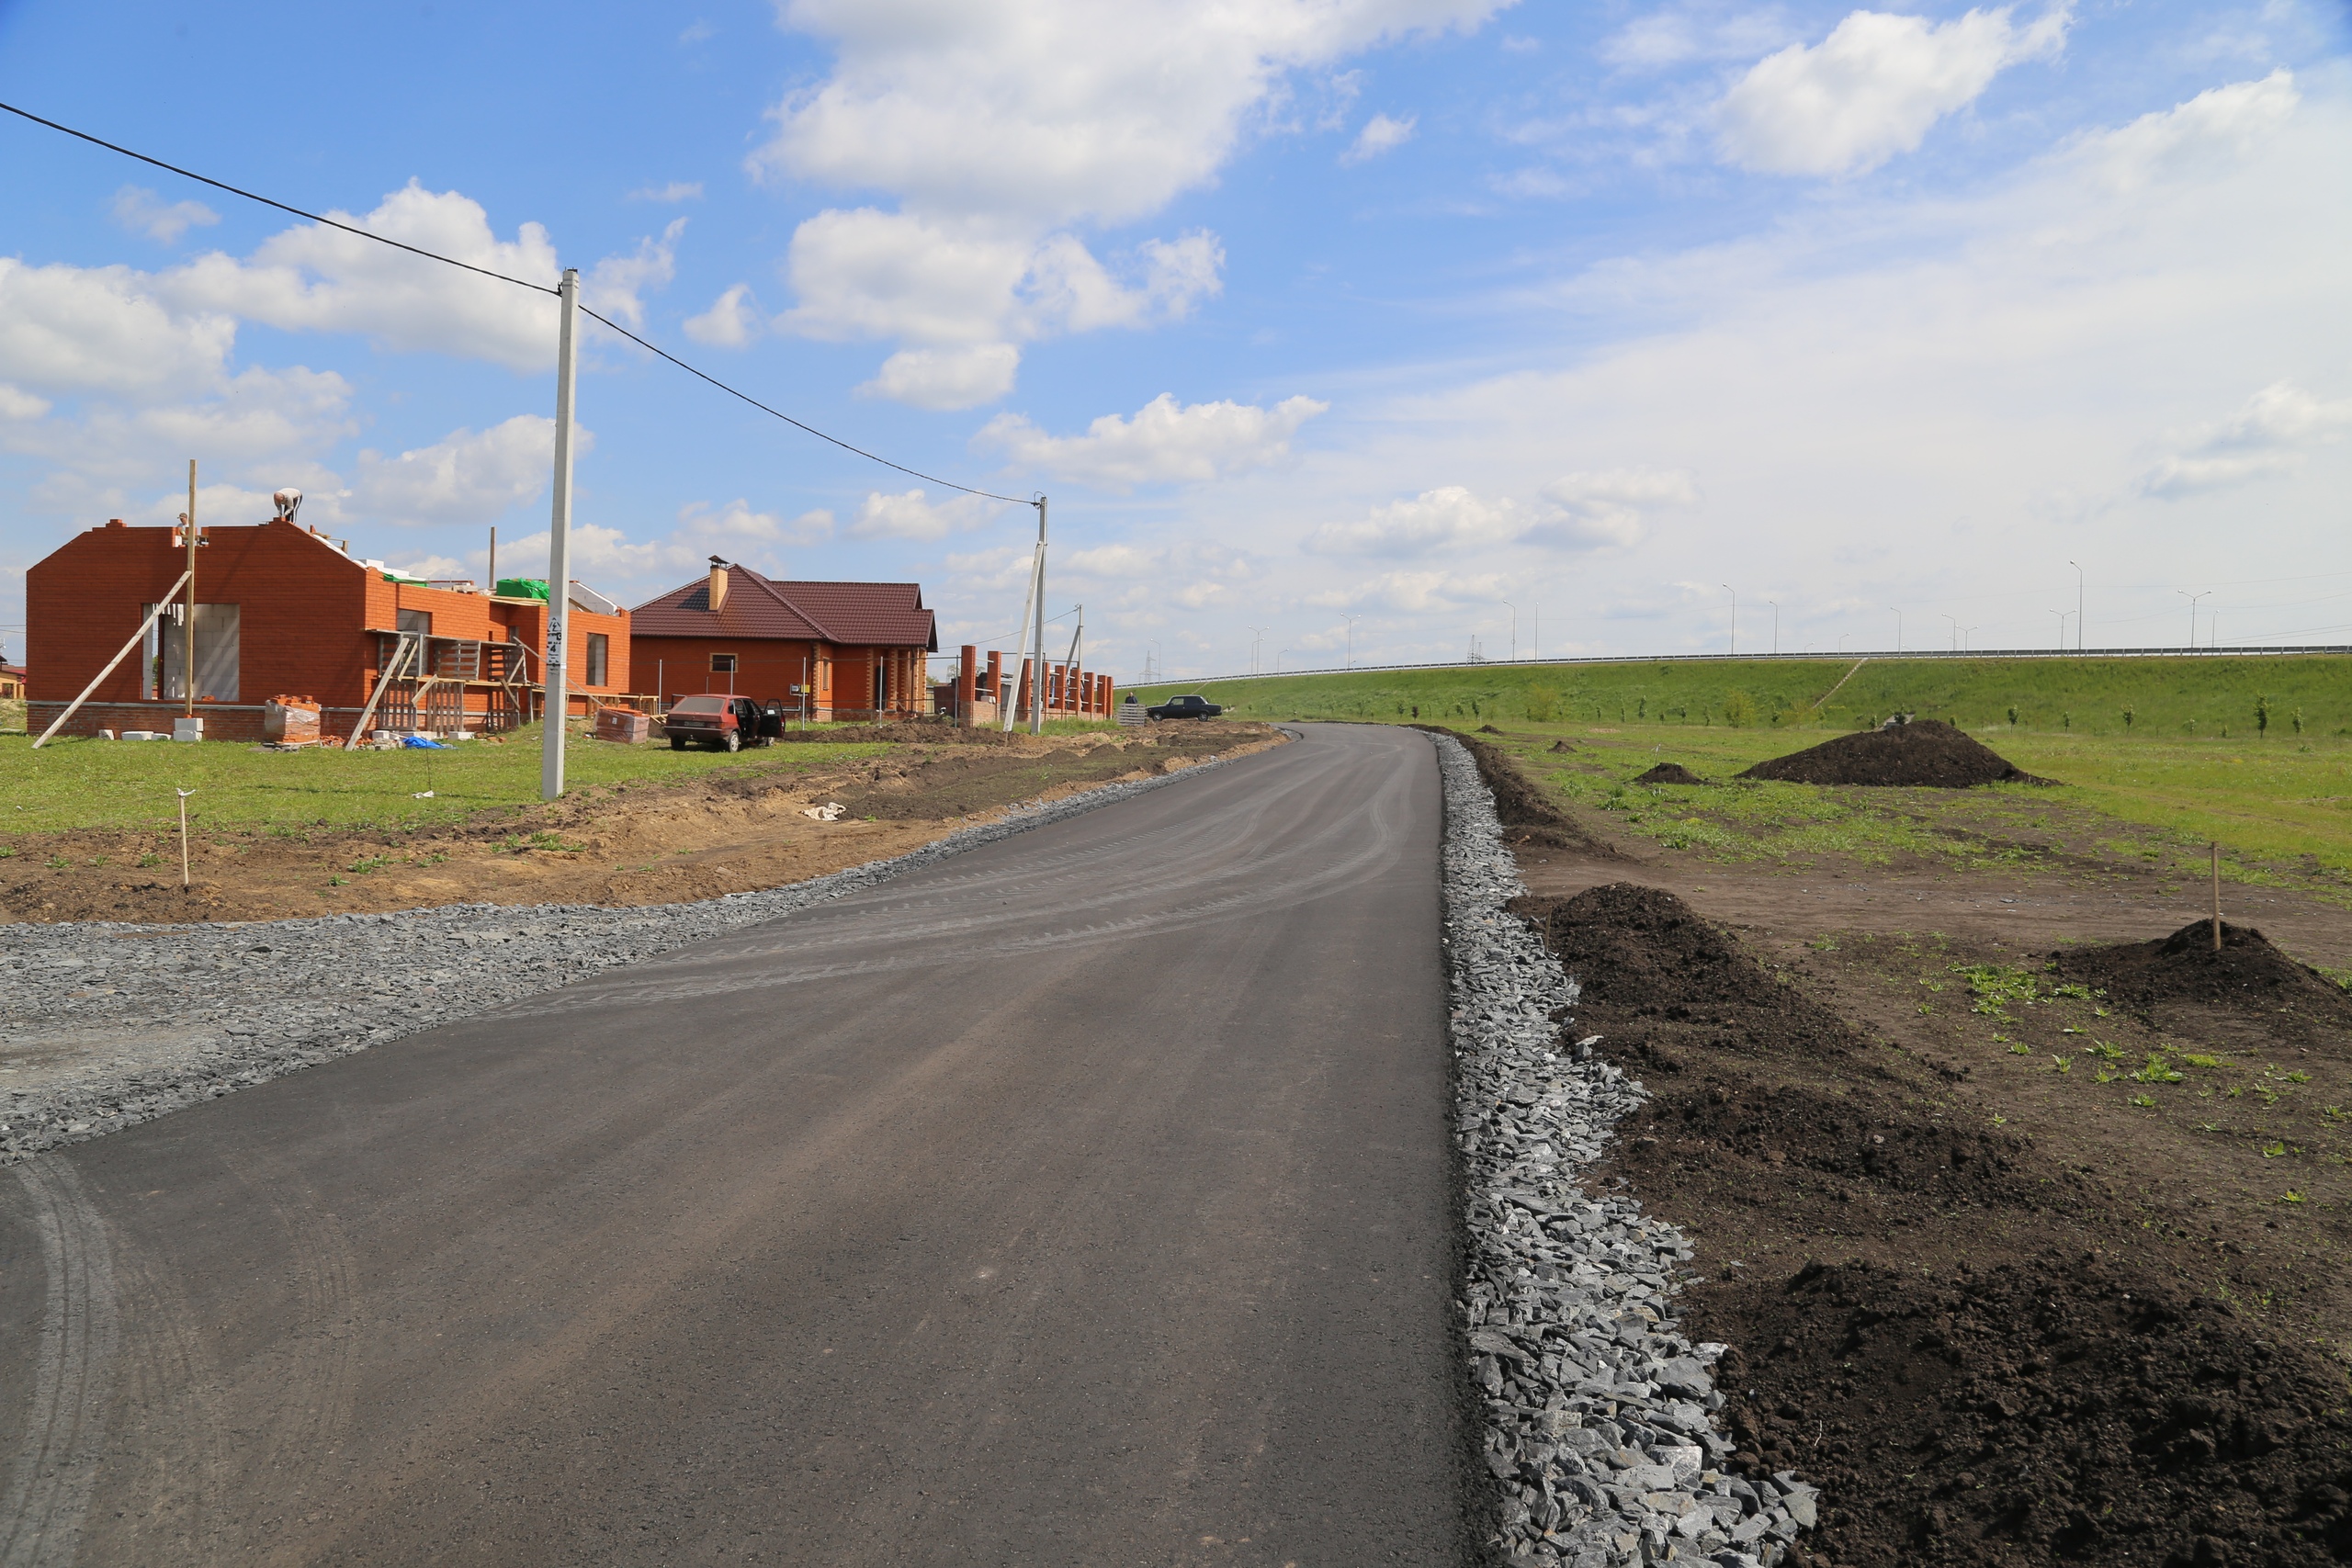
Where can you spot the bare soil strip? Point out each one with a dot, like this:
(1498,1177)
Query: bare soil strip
(727,832)
(2032,1261)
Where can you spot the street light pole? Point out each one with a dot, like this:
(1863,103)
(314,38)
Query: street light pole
(1735,618)
(2078,611)
(1776,626)
(2062,628)
(1898,629)
(1514,629)
(1955,632)
(1352,637)
(2192,599)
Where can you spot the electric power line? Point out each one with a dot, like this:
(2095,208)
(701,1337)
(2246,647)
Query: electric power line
(517,282)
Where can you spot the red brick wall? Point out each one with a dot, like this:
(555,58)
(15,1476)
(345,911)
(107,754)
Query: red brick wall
(764,670)
(306,620)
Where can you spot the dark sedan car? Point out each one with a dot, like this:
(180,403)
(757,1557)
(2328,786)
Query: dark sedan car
(1193,706)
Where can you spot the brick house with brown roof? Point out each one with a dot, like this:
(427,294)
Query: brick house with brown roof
(847,651)
(283,610)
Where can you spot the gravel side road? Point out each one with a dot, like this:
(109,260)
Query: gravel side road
(1081,1198)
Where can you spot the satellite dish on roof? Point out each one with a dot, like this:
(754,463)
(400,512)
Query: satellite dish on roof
(289,502)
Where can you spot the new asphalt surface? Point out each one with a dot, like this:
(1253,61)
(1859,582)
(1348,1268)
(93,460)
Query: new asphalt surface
(1085,1198)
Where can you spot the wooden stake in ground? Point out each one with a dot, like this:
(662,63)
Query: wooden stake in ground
(184,794)
(2217,898)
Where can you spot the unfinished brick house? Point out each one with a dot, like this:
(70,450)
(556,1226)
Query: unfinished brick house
(282,610)
(846,650)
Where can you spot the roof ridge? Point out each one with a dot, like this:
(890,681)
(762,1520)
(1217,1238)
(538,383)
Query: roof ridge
(775,594)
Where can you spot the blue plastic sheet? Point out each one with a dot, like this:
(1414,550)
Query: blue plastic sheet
(421,743)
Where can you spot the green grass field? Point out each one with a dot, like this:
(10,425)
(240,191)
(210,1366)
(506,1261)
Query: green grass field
(2214,697)
(74,783)
(2279,802)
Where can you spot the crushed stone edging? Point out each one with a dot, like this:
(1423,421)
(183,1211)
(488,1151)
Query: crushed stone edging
(1597,1413)
(235,1004)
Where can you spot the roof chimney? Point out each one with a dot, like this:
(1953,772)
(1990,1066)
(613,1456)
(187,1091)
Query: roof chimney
(717,585)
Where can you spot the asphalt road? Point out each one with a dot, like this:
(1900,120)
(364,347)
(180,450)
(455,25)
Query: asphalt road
(1083,1200)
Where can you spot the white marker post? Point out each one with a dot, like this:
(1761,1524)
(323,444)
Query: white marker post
(1038,682)
(566,375)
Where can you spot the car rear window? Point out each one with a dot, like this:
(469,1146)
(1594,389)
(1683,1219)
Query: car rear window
(702,704)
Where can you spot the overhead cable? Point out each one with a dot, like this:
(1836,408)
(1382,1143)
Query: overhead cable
(519,283)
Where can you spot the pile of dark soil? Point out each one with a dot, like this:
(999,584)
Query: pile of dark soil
(1925,754)
(1489,729)
(1559,746)
(1662,971)
(959,782)
(2056,1410)
(1527,813)
(1669,773)
(1992,1383)
(2247,974)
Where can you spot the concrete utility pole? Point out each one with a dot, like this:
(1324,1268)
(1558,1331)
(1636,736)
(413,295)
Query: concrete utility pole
(1776,626)
(1735,618)
(1037,687)
(567,375)
(1352,639)
(187,646)
(2079,609)
(1514,629)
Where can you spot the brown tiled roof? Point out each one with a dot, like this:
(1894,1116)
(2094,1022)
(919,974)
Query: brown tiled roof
(870,614)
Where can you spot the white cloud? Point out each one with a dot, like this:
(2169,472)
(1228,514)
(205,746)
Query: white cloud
(869,274)
(1448,518)
(1580,512)
(1000,124)
(313,278)
(2272,434)
(740,532)
(1871,89)
(1059,110)
(466,476)
(2212,131)
(946,378)
(144,212)
(17,403)
(732,320)
(1166,442)
(615,286)
(1605,511)
(1380,134)
(70,329)
(909,516)
(1672,36)
(676,190)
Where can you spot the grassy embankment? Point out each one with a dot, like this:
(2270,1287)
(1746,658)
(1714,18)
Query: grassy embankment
(73,783)
(2193,764)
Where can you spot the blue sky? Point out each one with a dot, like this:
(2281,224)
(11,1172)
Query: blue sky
(1540,325)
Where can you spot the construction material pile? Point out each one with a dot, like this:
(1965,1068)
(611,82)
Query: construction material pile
(1924,753)
(2183,967)
(1669,773)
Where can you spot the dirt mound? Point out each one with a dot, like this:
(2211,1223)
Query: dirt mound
(2056,1410)
(1559,746)
(1489,729)
(2247,974)
(1669,772)
(1925,754)
(1528,815)
(1663,971)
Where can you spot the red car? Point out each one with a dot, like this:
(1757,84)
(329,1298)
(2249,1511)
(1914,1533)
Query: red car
(722,723)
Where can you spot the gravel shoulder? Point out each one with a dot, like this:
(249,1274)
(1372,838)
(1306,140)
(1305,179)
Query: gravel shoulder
(1598,1430)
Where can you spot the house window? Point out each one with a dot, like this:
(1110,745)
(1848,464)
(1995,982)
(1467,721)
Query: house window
(597,644)
(722,664)
(417,621)
(216,654)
